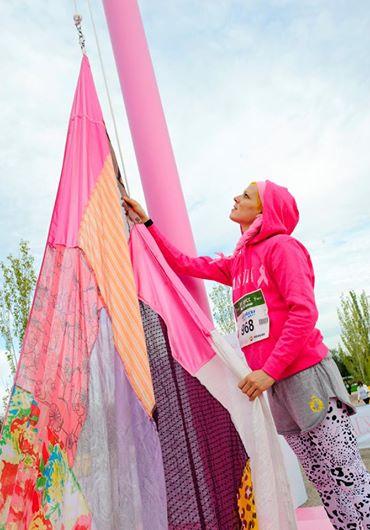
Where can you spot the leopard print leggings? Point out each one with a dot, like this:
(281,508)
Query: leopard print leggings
(331,459)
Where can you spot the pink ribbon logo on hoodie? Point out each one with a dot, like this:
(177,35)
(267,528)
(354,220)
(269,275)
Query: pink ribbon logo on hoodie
(263,278)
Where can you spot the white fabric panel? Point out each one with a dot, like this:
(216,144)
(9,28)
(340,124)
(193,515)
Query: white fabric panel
(292,467)
(255,426)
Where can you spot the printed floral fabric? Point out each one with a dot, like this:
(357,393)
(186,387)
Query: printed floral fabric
(38,490)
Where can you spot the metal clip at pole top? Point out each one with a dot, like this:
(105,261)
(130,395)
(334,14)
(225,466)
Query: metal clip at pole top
(81,39)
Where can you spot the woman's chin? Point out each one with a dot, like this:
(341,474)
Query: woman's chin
(233,217)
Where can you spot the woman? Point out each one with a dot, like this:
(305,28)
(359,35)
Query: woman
(272,282)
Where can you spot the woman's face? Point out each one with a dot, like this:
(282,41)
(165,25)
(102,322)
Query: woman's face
(247,206)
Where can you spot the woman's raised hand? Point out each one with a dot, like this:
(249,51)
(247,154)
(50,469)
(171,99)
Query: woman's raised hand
(137,208)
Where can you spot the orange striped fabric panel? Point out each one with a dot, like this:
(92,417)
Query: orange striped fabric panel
(102,238)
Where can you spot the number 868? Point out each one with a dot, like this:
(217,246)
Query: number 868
(247,327)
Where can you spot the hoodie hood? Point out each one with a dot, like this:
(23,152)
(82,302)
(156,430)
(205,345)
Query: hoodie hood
(280,212)
(280,215)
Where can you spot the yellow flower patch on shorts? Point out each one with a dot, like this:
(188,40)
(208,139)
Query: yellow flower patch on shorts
(316,404)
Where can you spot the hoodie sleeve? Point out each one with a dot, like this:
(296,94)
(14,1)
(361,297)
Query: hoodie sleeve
(202,267)
(291,268)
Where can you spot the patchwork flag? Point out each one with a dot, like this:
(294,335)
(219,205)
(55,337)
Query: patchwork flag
(79,449)
(125,414)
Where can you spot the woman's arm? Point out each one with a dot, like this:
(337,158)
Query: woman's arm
(217,269)
(291,269)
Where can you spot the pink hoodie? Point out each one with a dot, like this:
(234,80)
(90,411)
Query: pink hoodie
(279,265)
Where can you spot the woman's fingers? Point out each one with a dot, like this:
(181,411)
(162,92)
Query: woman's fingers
(248,388)
(129,201)
(255,394)
(251,390)
(136,207)
(244,382)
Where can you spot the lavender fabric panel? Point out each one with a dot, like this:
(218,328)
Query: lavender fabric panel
(119,461)
(203,455)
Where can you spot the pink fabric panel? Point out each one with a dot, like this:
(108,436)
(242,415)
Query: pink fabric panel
(85,152)
(160,288)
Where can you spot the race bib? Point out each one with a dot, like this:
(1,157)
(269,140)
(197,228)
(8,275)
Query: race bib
(252,318)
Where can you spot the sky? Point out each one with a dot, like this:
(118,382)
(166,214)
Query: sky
(251,90)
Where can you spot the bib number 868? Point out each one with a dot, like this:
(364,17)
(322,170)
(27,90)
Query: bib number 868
(247,327)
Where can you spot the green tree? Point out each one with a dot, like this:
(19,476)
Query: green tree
(222,308)
(354,318)
(339,357)
(17,283)
(338,354)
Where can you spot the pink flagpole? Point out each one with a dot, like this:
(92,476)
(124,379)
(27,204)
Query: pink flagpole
(155,158)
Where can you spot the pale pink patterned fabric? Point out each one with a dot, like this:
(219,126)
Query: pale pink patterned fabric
(63,325)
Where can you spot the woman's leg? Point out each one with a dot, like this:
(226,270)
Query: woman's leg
(340,509)
(330,457)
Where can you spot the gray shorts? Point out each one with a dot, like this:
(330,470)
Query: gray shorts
(300,402)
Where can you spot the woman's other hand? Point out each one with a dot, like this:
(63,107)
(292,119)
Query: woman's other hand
(137,208)
(255,383)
